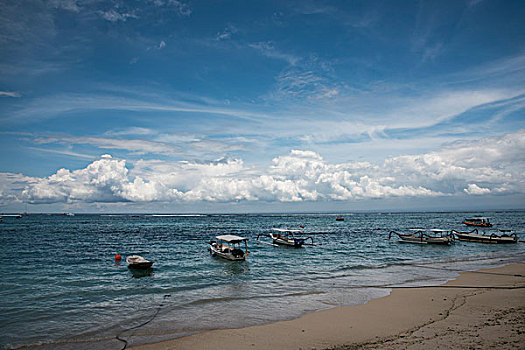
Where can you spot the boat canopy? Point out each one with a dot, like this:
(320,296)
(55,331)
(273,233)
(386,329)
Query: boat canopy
(285,230)
(231,238)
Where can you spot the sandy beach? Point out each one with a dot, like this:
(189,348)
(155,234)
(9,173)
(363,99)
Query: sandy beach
(478,310)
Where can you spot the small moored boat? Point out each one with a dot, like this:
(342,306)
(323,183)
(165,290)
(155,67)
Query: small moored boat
(287,238)
(229,247)
(477,221)
(138,262)
(433,236)
(492,236)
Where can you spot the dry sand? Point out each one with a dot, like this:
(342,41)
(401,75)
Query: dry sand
(478,310)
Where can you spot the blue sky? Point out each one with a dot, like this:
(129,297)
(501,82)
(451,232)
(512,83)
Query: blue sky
(212,106)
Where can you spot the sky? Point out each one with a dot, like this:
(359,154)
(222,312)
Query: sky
(261,106)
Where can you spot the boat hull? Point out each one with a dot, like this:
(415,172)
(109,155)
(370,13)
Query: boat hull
(226,255)
(295,243)
(422,238)
(486,239)
(473,224)
(141,265)
(425,241)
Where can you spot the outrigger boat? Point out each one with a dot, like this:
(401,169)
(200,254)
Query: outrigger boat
(505,236)
(477,221)
(433,236)
(286,237)
(138,262)
(229,247)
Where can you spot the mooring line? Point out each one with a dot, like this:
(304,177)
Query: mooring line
(118,336)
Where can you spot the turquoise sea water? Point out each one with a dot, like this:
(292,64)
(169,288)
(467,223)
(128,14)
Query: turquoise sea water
(61,287)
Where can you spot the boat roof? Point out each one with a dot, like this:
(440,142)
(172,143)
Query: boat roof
(430,230)
(231,238)
(478,218)
(285,230)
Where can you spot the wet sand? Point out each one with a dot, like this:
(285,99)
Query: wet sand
(478,310)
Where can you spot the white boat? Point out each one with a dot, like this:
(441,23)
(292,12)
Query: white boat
(229,247)
(492,236)
(138,262)
(287,238)
(432,236)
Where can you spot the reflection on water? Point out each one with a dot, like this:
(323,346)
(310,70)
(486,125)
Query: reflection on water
(235,268)
(139,273)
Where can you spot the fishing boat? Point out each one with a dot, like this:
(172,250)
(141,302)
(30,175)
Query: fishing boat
(477,221)
(286,237)
(138,262)
(339,218)
(432,236)
(229,247)
(492,236)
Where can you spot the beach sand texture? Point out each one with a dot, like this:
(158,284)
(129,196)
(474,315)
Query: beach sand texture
(478,310)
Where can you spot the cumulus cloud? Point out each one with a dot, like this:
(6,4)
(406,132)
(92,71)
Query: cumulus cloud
(476,190)
(457,169)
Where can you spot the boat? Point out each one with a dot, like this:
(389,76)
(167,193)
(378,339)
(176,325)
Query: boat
(229,247)
(286,237)
(432,236)
(138,262)
(477,221)
(67,214)
(339,218)
(492,236)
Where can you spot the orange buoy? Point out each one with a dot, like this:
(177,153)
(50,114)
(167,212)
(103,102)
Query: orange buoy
(118,257)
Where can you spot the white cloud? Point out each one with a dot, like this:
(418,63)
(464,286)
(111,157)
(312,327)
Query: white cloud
(131,131)
(476,190)
(69,5)
(497,162)
(180,7)
(227,33)
(267,49)
(10,93)
(137,146)
(114,16)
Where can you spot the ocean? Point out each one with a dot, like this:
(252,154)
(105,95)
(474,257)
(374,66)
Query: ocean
(61,287)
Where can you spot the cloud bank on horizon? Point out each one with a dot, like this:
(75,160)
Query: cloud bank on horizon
(487,166)
(262,102)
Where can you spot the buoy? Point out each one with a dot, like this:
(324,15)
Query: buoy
(118,257)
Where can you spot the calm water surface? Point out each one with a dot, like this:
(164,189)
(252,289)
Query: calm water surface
(61,287)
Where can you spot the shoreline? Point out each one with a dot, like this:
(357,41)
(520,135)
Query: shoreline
(477,309)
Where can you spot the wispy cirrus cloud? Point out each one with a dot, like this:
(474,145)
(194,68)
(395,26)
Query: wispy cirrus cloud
(132,145)
(227,33)
(113,15)
(10,94)
(268,49)
(131,131)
